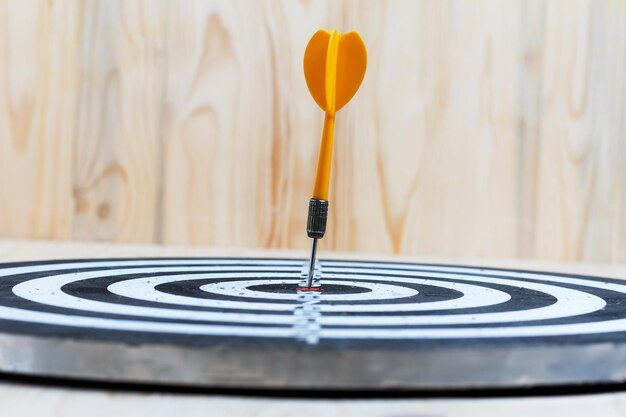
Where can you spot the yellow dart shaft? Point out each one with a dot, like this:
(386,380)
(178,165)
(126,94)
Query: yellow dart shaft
(324,163)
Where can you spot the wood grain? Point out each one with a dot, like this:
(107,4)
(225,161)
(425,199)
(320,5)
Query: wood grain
(482,129)
(117,142)
(38,54)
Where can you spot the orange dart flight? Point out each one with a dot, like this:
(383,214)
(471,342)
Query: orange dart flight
(334,67)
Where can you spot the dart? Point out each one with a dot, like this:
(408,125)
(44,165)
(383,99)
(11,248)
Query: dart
(334,67)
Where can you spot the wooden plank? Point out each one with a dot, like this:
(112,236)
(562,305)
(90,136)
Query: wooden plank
(218,129)
(242,131)
(38,70)
(117,141)
(439,162)
(582,184)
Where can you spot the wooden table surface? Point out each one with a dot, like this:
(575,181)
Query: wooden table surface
(37,400)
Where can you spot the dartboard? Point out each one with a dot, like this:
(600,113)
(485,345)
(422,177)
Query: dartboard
(251,323)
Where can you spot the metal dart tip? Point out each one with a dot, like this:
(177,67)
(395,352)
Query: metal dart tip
(309,282)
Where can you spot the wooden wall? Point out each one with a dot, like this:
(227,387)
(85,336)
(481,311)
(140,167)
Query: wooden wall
(483,128)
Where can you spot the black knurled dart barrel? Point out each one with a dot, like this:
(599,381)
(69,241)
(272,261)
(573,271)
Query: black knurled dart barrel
(316,223)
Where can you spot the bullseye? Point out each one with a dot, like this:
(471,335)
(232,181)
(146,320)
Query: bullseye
(250,289)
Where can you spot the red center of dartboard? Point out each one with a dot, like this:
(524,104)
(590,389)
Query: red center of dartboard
(310,289)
